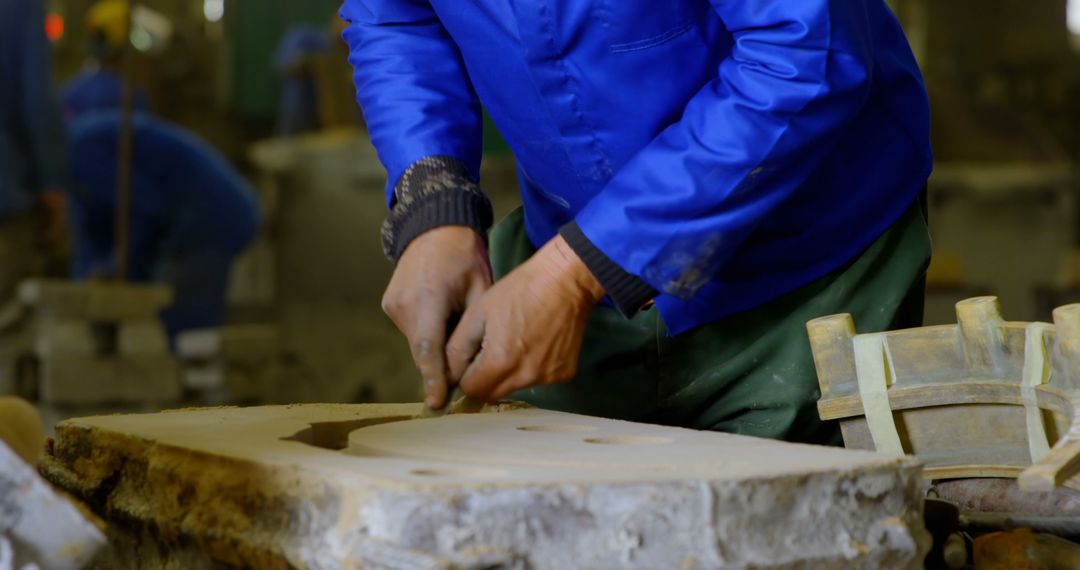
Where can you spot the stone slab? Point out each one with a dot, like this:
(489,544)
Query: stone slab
(38,527)
(345,486)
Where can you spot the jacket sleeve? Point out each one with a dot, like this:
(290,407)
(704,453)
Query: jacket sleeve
(423,116)
(40,111)
(799,72)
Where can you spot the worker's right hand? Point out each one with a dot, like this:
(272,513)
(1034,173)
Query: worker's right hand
(441,273)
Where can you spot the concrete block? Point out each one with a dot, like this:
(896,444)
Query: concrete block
(82,361)
(236,363)
(332,486)
(98,380)
(142,337)
(234,343)
(64,338)
(205,377)
(95,301)
(39,528)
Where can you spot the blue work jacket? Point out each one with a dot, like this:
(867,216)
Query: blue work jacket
(725,151)
(191,212)
(97,89)
(185,197)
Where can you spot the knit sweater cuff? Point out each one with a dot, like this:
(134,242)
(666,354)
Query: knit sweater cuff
(434,192)
(628,293)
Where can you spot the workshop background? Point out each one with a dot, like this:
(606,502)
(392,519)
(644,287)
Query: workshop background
(304,318)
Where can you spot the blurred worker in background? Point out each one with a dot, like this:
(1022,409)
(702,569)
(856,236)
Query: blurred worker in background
(98,85)
(32,148)
(191,212)
(316,83)
(699,179)
(298,107)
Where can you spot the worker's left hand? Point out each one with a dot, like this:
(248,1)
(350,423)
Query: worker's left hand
(527,329)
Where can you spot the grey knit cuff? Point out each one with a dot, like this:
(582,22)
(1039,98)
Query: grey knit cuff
(435,191)
(628,293)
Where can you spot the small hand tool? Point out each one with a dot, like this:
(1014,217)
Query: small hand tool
(456,403)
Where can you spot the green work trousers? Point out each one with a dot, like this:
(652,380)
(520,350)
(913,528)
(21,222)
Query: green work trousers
(751,373)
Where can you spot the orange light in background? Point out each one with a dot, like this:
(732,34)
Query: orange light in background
(54,26)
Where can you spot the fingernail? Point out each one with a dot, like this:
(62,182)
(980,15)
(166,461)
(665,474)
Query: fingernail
(430,382)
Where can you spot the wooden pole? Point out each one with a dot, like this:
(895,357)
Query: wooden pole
(124,152)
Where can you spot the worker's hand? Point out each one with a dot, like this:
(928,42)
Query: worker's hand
(441,273)
(54,205)
(528,329)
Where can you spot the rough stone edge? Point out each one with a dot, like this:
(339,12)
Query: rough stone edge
(461,527)
(179,495)
(243,522)
(124,479)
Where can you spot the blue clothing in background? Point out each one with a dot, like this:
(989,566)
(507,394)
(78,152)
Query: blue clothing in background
(97,90)
(725,152)
(298,43)
(298,108)
(191,213)
(32,149)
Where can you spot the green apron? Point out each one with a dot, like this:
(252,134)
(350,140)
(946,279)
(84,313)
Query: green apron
(750,373)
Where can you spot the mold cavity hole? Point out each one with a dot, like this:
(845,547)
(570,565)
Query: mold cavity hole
(557,428)
(628,440)
(335,435)
(454,472)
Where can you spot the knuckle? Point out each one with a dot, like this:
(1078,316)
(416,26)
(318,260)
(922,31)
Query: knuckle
(481,279)
(499,361)
(392,305)
(422,348)
(529,373)
(472,391)
(455,355)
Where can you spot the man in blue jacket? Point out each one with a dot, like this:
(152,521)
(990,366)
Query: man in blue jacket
(192,213)
(699,179)
(32,149)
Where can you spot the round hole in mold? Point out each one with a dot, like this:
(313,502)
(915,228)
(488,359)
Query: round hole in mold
(557,428)
(457,473)
(629,440)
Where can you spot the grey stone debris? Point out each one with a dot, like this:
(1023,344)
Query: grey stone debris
(38,527)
